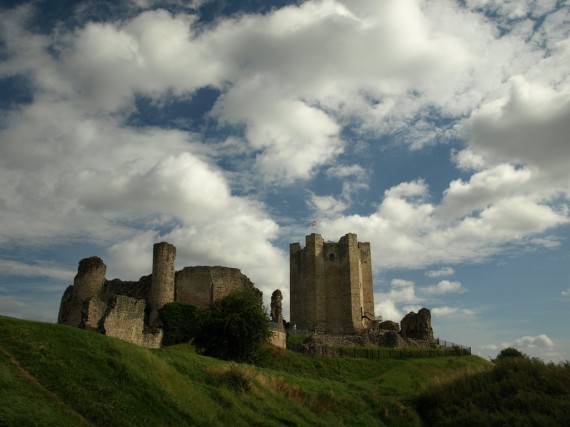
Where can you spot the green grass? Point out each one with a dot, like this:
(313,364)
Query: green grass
(518,392)
(58,375)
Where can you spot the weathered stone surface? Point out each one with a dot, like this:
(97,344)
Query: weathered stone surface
(277,308)
(331,285)
(65,306)
(278,339)
(388,325)
(329,344)
(202,285)
(162,283)
(139,289)
(93,309)
(117,308)
(390,339)
(124,319)
(88,283)
(417,326)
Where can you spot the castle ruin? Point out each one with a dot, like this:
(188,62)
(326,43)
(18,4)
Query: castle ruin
(331,285)
(129,309)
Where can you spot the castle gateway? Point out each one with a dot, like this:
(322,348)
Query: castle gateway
(331,285)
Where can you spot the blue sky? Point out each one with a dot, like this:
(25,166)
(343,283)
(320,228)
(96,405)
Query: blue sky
(435,130)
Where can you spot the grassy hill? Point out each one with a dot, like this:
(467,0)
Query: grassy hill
(57,375)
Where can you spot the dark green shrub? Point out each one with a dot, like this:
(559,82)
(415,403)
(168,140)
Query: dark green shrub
(518,391)
(510,352)
(179,322)
(233,328)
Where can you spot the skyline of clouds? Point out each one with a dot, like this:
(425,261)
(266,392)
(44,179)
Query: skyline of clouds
(305,101)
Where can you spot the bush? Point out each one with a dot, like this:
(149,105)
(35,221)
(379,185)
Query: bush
(179,322)
(510,352)
(233,328)
(518,391)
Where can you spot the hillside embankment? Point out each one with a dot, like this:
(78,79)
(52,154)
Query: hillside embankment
(54,375)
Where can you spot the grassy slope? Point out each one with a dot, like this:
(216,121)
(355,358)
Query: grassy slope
(57,375)
(518,392)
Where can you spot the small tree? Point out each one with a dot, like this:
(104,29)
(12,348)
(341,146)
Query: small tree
(179,322)
(510,352)
(233,328)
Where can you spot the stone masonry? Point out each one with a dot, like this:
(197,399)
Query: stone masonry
(201,286)
(119,308)
(162,287)
(331,285)
(417,326)
(277,308)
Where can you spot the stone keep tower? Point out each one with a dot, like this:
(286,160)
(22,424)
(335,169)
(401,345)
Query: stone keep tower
(162,285)
(331,285)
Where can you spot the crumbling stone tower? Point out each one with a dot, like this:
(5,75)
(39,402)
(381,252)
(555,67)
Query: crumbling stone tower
(331,285)
(162,285)
(118,308)
(87,285)
(277,308)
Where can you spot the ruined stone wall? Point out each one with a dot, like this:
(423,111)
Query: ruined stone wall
(278,339)
(88,283)
(117,308)
(93,309)
(417,326)
(200,286)
(124,319)
(331,285)
(277,308)
(139,289)
(162,283)
(65,306)
(227,280)
(194,286)
(112,307)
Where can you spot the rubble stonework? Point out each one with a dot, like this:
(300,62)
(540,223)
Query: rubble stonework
(331,285)
(124,319)
(417,326)
(387,335)
(88,283)
(388,325)
(118,308)
(276,308)
(201,286)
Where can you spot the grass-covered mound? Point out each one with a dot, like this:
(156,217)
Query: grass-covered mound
(54,375)
(518,392)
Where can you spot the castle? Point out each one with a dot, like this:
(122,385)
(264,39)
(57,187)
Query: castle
(129,309)
(331,285)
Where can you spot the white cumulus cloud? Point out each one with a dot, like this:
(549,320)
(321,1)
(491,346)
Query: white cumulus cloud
(444,271)
(445,287)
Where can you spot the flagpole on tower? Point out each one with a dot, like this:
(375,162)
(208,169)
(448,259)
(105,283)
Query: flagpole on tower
(313,227)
